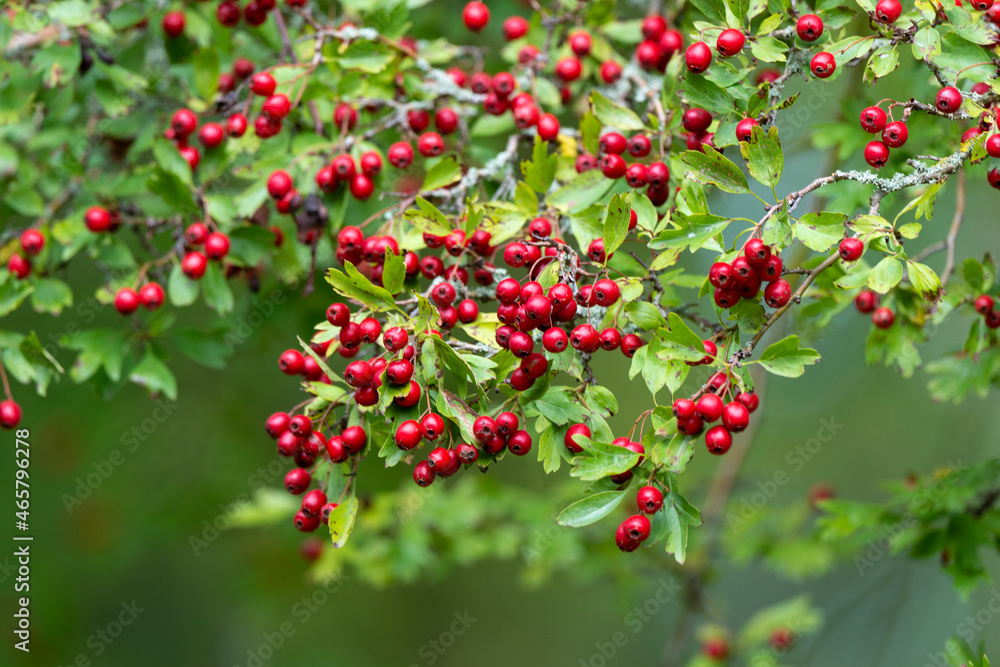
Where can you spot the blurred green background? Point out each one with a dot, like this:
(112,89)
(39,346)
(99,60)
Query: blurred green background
(129,540)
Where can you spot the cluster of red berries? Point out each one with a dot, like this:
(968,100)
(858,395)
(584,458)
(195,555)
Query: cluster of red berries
(216,247)
(694,413)
(867,302)
(984,305)
(297,439)
(491,435)
(32,243)
(228,14)
(342,169)
(742,278)
(612,146)
(894,135)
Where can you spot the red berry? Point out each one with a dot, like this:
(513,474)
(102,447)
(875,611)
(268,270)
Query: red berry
(718,440)
(876,154)
(584,338)
(97,219)
(300,425)
(277,106)
(887,11)
(948,99)
(777,293)
(735,417)
(637,527)
(32,241)
(291,362)
(548,127)
(610,71)
(126,300)
(822,65)
(354,439)
(983,304)
(698,57)
(744,129)
(873,120)
(400,155)
(696,120)
(851,249)
(613,166)
(217,245)
(408,435)
(555,340)
(569,69)
(993,146)
(574,430)
(649,499)
(194,264)
(345,115)
(514,28)
(749,400)
(883,318)
(430,144)
(895,134)
(519,443)
(476,15)
(151,296)
(866,301)
(709,407)
(297,481)
(809,27)
(730,42)
(173,24)
(10,414)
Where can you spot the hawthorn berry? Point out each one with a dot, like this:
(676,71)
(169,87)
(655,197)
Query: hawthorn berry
(883,318)
(297,480)
(948,99)
(887,11)
(636,175)
(354,438)
(649,499)
(411,398)
(756,252)
(519,443)
(423,474)
(777,293)
(613,166)
(718,440)
(709,407)
(749,400)
(568,69)
(555,340)
(151,296)
(698,57)
(631,343)
(637,527)
(32,242)
(569,440)
(10,414)
(126,301)
(895,134)
(408,435)
(993,146)
(624,542)
(548,127)
(345,115)
(476,15)
(291,362)
(809,27)
(515,27)
(744,129)
(730,42)
(851,249)
(822,65)
(584,338)
(217,245)
(97,219)
(610,339)
(173,24)
(610,71)
(873,120)
(277,106)
(696,120)
(735,417)
(876,154)
(983,304)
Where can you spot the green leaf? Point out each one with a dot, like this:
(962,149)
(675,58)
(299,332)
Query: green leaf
(769,49)
(926,43)
(883,62)
(616,223)
(207,349)
(677,534)
(599,460)
(763,155)
(582,191)
(645,315)
(427,218)
(885,275)
(526,199)
(693,233)
(181,290)
(701,92)
(590,509)
(268,507)
(342,521)
(171,160)
(350,283)
(51,295)
(540,171)
(590,132)
(218,294)
(98,348)
(205,63)
(786,358)
(393,272)
(614,115)
(445,172)
(820,231)
(712,167)
(924,280)
(770,24)
(154,375)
